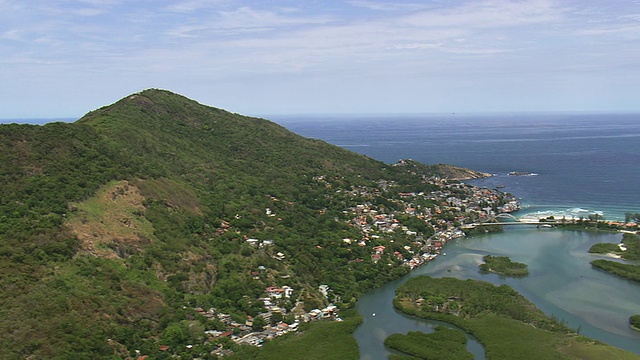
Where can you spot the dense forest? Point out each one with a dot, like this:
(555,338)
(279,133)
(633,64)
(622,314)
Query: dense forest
(153,225)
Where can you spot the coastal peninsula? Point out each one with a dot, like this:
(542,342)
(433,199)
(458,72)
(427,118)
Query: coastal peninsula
(627,249)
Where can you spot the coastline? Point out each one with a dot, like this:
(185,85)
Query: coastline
(559,182)
(439,272)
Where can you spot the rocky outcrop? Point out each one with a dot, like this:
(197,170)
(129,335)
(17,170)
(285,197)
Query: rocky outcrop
(452,172)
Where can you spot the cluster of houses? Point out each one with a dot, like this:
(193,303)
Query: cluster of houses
(264,243)
(259,243)
(256,338)
(468,203)
(246,334)
(630,226)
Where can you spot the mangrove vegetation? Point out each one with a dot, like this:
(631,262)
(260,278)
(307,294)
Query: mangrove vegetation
(502,265)
(506,323)
(442,344)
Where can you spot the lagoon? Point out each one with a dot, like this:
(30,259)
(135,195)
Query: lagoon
(561,283)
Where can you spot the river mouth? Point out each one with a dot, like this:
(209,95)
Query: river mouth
(561,283)
(377,326)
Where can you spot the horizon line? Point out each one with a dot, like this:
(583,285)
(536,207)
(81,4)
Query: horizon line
(70,119)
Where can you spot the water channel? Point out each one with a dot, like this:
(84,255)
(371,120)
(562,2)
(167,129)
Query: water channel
(561,283)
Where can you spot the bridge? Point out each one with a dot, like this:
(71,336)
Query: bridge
(515,221)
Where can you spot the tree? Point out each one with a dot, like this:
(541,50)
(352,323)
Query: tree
(258,323)
(175,334)
(276,317)
(596,218)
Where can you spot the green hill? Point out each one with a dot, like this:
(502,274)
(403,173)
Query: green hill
(113,229)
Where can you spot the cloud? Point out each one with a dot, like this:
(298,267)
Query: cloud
(101,2)
(244,20)
(356,44)
(88,12)
(12,34)
(262,18)
(190,6)
(489,14)
(631,30)
(416,46)
(388,6)
(286,39)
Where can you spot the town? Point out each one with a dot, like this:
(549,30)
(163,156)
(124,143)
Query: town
(428,220)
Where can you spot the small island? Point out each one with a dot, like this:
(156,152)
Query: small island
(502,265)
(521,173)
(634,322)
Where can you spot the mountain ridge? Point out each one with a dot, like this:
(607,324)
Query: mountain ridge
(117,225)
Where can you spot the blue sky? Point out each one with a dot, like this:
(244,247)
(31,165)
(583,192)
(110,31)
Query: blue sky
(65,58)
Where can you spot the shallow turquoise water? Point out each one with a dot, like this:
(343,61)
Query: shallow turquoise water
(561,283)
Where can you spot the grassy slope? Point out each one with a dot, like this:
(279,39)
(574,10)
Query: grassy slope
(112,221)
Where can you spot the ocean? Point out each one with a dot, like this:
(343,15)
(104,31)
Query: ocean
(580,161)
(579,164)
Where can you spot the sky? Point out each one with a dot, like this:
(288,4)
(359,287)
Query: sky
(64,58)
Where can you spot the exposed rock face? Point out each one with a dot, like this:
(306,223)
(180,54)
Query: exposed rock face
(444,171)
(452,172)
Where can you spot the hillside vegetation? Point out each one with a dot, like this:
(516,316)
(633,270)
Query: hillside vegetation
(155,224)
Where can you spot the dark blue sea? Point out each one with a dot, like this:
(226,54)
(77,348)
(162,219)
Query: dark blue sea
(581,161)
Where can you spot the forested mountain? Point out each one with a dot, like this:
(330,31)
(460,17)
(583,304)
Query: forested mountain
(113,229)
